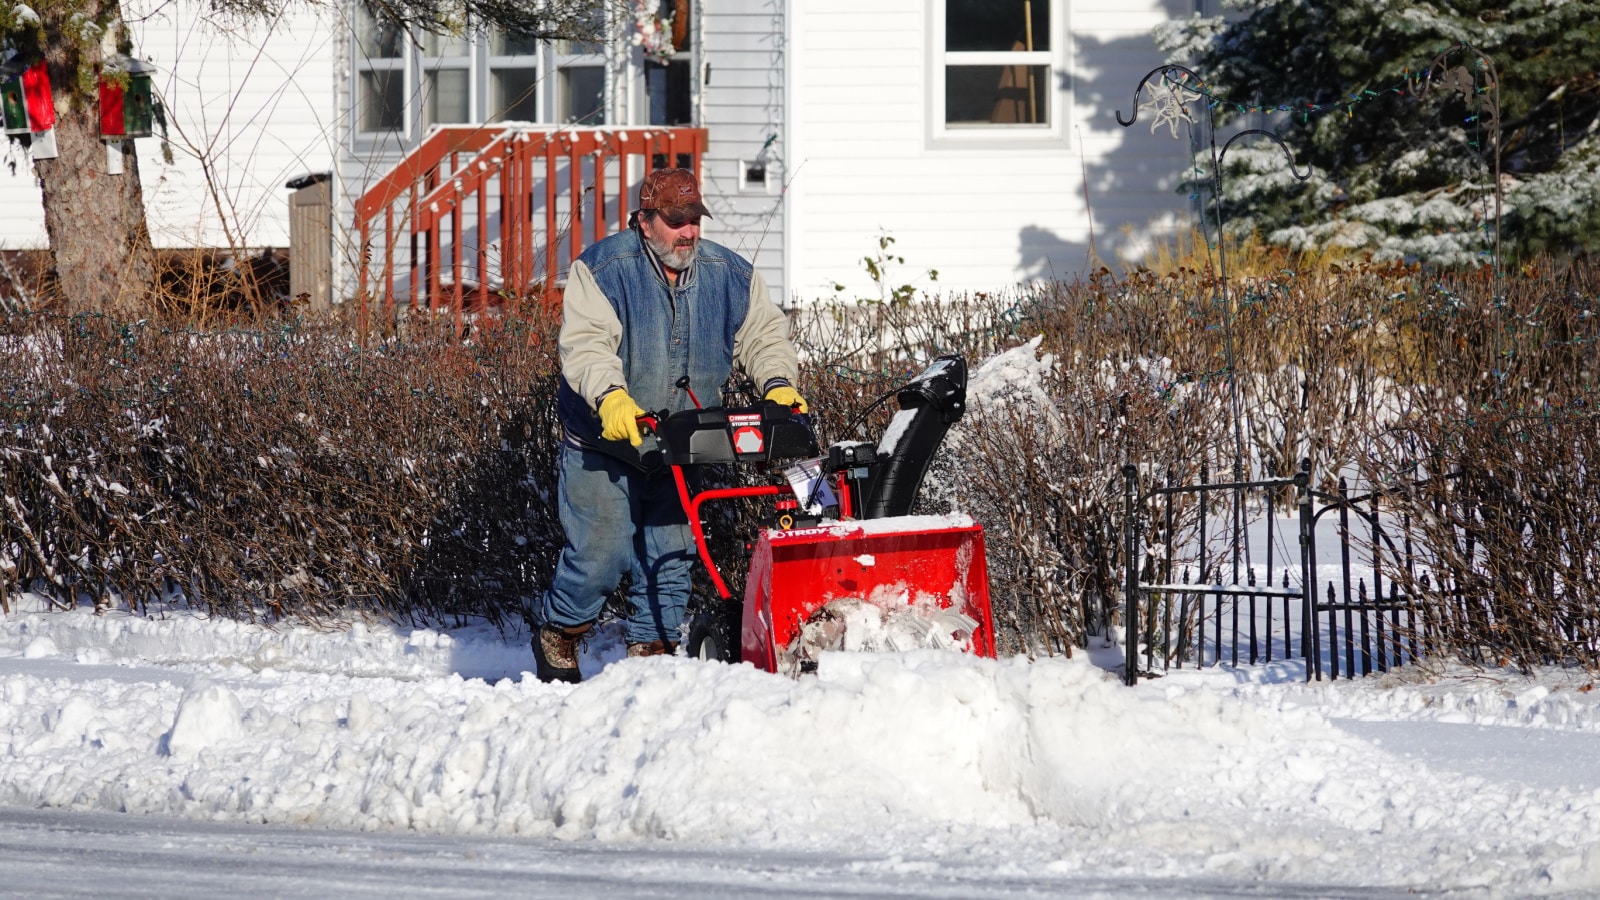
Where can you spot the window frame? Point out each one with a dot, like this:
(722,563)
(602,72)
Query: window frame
(432,65)
(362,65)
(1056,60)
(417,68)
(536,62)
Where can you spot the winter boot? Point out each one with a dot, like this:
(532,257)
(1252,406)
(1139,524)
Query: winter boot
(652,648)
(555,652)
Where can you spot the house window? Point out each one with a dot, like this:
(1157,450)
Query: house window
(383,100)
(997,67)
(381,81)
(404,82)
(669,83)
(447,74)
(514,80)
(581,83)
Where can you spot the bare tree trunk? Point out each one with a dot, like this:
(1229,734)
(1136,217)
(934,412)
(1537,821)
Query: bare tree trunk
(95,220)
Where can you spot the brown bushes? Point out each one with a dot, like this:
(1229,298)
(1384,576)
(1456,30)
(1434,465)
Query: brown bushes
(1493,459)
(1384,375)
(276,472)
(285,471)
(202,287)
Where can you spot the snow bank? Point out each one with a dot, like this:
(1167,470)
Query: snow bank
(1044,767)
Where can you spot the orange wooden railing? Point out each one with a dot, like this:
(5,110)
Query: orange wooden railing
(539,194)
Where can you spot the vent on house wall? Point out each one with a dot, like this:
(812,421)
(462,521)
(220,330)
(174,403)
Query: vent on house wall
(755,177)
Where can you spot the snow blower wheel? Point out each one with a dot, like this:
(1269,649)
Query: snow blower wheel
(714,633)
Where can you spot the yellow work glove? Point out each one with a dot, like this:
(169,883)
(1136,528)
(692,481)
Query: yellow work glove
(784,395)
(619,417)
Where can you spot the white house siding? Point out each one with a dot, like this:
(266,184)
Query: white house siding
(863,165)
(254,103)
(742,107)
(255,106)
(22,225)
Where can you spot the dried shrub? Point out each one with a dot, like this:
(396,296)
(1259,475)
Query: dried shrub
(27,280)
(1373,373)
(291,472)
(1491,461)
(285,470)
(208,288)
(197,287)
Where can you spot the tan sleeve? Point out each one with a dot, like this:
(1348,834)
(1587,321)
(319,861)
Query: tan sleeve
(590,336)
(762,345)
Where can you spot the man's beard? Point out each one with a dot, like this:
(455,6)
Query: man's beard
(673,257)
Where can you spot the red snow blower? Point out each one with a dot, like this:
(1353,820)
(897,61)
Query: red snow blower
(840,564)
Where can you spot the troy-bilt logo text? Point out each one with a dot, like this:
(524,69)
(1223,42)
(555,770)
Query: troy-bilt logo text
(795,534)
(747,436)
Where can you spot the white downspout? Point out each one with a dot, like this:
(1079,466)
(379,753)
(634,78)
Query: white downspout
(793,128)
(697,65)
(340,278)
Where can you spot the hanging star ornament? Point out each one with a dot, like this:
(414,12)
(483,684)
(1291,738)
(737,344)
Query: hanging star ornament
(1169,105)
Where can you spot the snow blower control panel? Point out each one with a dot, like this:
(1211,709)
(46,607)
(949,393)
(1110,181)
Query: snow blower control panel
(716,435)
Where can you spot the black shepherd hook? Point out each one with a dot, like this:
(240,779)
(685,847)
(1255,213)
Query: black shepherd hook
(1189,77)
(1158,70)
(1288,154)
(1462,81)
(1216,183)
(1217,156)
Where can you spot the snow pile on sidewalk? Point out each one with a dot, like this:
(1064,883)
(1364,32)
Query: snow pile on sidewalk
(1043,767)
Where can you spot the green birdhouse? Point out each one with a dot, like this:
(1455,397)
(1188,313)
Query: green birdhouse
(127,110)
(13,107)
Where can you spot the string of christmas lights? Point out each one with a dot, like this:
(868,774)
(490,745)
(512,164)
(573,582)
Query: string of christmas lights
(1182,79)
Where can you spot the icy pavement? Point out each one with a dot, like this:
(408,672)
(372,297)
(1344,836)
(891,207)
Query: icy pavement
(50,853)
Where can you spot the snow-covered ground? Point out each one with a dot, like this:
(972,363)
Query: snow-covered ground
(178,756)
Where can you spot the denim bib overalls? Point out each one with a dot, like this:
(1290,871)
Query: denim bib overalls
(619,520)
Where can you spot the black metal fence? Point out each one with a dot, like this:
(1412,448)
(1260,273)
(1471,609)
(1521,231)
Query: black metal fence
(1377,628)
(1200,591)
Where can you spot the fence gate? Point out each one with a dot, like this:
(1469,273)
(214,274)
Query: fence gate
(1196,590)
(1390,625)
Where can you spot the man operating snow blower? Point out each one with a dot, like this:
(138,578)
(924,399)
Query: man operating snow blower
(649,316)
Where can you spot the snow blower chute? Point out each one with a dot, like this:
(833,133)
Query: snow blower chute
(841,565)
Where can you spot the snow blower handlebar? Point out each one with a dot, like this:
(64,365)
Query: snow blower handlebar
(709,436)
(929,405)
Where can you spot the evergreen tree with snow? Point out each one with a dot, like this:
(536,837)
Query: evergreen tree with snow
(1397,107)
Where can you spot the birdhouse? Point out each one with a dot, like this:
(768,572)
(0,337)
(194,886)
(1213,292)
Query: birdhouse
(127,100)
(12,107)
(25,98)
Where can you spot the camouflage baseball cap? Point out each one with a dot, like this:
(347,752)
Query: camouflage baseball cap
(673,192)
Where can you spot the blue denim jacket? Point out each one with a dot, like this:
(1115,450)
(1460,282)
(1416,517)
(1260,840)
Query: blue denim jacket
(668,331)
